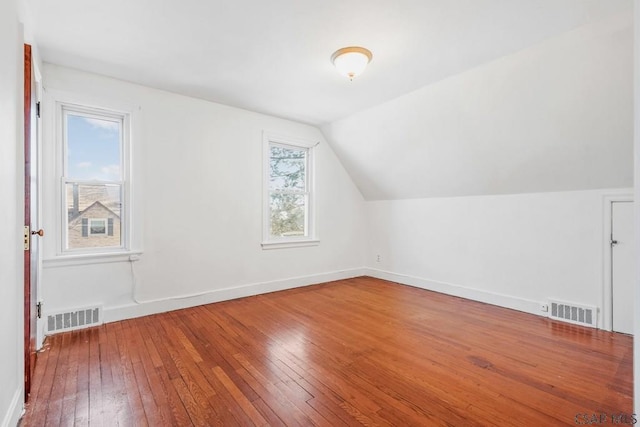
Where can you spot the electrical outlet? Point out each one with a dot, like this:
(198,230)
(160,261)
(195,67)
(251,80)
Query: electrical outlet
(377,258)
(544,307)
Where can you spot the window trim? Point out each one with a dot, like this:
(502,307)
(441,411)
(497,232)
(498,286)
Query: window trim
(63,106)
(53,173)
(311,239)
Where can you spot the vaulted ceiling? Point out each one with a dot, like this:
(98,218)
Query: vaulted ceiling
(463,97)
(557,116)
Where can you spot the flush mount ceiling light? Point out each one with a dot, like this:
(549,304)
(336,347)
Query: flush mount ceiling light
(351,61)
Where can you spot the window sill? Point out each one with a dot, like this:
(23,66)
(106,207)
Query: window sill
(87,259)
(290,244)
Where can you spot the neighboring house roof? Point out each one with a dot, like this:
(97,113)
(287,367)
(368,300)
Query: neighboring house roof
(81,197)
(94,205)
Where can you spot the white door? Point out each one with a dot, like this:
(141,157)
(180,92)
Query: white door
(622,269)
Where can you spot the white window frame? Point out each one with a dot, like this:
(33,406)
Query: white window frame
(311,238)
(54,253)
(64,109)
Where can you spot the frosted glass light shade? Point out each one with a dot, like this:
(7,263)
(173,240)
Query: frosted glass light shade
(351,61)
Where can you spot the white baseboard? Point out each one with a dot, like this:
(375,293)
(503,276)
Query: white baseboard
(15,410)
(144,308)
(520,304)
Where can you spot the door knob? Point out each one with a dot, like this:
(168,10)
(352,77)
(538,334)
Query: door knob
(39,232)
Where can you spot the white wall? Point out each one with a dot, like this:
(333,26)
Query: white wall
(553,117)
(11,213)
(199,190)
(511,250)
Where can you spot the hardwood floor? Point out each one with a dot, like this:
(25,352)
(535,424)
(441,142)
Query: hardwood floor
(353,352)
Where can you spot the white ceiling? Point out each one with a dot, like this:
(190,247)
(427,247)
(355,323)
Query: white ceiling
(557,116)
(273,56)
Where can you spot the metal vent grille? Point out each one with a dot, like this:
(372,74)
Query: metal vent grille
(70,320)
(573,313)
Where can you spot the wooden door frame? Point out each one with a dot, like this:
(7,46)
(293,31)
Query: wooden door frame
(29,350)
(607,284)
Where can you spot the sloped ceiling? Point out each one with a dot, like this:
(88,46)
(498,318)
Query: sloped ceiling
(273,56)
(554,117)
(463,97)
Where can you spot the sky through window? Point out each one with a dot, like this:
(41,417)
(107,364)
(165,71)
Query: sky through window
(93,148)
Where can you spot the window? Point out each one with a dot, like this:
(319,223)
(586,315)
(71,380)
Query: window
(289,197)
(94,179)
(98,227)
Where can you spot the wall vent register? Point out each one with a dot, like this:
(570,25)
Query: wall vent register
(75,319)
(573,313)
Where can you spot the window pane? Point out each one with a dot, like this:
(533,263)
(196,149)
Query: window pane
(287,168)
(288,214)
(97,226)
(93,216)
(93,148)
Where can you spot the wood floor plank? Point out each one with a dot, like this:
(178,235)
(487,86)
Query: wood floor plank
(68,407)
(83,386)
(271,392)
(57,395)
(198,417)
(272,418)
(117,404)
(96,408)
(179,413)
(240,398)
(126,373)
(147,380)
(39,399)
(151,365)
(199,382)
(354,352)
